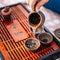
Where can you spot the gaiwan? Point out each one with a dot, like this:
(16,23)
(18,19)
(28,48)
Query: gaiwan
(32,44)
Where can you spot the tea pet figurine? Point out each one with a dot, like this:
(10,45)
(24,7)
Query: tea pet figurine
(6,13)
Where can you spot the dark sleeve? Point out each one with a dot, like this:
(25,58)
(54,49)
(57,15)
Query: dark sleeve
(54,5)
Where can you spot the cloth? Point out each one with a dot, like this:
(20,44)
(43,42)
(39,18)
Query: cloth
(53,5)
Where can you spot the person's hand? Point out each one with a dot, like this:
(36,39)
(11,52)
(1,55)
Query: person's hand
(32,3)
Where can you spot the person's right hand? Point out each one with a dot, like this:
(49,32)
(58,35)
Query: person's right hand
(32,3)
